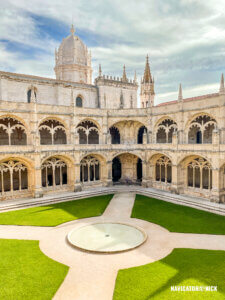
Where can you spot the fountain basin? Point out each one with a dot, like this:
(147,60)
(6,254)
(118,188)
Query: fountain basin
(107,237)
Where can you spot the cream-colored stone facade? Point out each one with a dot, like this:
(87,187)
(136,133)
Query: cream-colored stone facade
(66,134)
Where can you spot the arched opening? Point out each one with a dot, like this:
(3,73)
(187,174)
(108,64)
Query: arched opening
(52,132)
(116,169)
(115,135)
(89,169)
(141,131)
(127,169)
(54,172)
(12,132)
(165,131)
(79,102)
(31,95)
(200,130)
(139,170)
(199,173)
(13,176)
(88,133)
(163,169)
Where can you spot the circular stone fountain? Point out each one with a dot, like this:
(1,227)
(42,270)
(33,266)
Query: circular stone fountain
(107,237)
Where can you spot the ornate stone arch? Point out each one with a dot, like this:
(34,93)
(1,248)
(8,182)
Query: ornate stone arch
(164,129)
(88,132)
(195,173)
(199,128)
(52,131)
(15,176)
(12,130)
(56,171)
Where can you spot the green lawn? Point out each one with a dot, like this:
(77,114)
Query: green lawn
(26,273)
(177,218)
(183,267)
(55,214)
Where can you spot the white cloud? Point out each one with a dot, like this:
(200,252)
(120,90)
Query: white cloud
(183,37)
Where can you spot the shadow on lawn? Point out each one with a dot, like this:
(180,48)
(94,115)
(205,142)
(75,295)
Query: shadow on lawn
(205,267)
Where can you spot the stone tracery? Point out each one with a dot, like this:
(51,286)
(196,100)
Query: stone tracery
(163,169)
(13,176)
(88,133)
(89,169)
(200,130)
(199,173)
(52,132)
(12,132)
(54,172)
(165,131)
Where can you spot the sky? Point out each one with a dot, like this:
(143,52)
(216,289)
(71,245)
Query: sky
(185,39)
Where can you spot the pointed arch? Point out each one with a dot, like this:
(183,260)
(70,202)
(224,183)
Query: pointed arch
(12,131)
(52,132)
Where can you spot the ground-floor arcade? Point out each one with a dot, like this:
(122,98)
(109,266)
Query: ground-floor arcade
(189,174)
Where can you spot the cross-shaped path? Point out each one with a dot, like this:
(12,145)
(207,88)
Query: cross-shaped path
(92,276)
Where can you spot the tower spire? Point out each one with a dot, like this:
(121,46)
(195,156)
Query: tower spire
(222,90)
(147,74)
(72,30)
(180,96)
(135,76)
(124,78)
(100,71)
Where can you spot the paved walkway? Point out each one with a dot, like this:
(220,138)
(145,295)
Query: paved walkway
(92,276)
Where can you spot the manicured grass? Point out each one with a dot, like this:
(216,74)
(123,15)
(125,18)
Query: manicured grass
(177,218)
(183,267)
(55,214)
(26,273)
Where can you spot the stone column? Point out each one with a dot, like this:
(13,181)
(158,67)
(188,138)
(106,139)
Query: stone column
(37,189)
(174,184)
(77,183)
(109,173)
(144,174)
(215,192)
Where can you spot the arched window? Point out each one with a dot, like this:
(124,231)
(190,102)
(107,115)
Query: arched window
(89,169)
(141,131)
(200,130)
(13,176)
(79,101)
(116,169)
(12,132)
(163,169)
(115,135)
(32,95)
(54,172)
(199,174)
(139,170)
(88,133)
(165,131)
(52,132)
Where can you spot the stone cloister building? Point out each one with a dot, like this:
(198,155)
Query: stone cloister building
(67,134)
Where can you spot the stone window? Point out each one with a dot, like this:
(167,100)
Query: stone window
(163,169)
(88,133)
(89,169)
(13,176)
(12,132)
(79,101)
(200,130)
(165,131)
(52,132)
(199,174)
(54,172)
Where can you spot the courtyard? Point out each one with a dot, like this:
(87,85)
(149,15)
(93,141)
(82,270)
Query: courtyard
(184,247)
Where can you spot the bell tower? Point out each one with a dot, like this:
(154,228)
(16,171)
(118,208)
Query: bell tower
(147,93)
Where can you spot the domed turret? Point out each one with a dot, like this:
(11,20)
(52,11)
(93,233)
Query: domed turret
(72,60)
